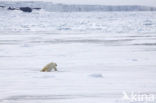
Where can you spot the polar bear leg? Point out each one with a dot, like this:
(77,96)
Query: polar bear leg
(55,69)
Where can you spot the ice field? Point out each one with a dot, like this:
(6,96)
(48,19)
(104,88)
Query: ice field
(99,55)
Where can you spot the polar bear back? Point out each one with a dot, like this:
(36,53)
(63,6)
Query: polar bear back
(49,67)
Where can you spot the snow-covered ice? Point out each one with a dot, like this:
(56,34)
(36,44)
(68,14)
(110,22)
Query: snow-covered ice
(99,55)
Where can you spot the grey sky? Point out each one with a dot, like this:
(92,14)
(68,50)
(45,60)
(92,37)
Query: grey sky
(102,2)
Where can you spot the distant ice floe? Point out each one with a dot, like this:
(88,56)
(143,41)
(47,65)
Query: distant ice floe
(48,6)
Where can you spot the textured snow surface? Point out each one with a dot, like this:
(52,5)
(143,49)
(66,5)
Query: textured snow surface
(99,55)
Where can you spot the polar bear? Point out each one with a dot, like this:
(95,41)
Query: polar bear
(49,67)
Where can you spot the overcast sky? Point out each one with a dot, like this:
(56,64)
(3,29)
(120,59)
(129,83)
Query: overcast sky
(102,2)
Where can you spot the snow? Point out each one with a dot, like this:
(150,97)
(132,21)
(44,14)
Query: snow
(99,55)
